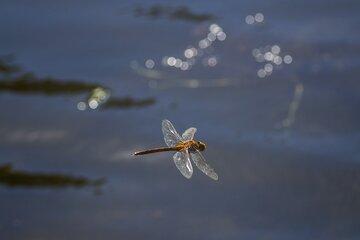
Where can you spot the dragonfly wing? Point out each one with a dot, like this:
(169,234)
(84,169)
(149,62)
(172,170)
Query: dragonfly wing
(171,137)
(200,162)
(189,134)
(182,162)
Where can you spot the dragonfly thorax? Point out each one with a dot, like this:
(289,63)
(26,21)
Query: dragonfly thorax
(191,144)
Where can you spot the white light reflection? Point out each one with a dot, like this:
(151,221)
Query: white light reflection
(259,17)
(250,19)
(288,59)
(150,64)
(184,66)
(277,60)
(93,104)
(211,36)
(293,106)
(204,43)
(261,73)
(255,52)
(271,55)
(178,63)
(275,49)
(221,36)
(260,58)
(97,97)
(268,68)
(215,29)
(190,52)
(81,106)
(212,61)
(171,61)
(192,55)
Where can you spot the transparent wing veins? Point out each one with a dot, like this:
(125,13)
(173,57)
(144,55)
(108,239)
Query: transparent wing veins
(189,134)
(171,137)
(200,162)
(182,162)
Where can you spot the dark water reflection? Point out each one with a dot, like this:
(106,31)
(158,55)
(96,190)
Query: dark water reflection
(128,102)
(172,13)
(15,178)
(286,146)
(28,83)
(19,82)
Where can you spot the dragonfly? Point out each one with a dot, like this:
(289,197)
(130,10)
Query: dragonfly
(185,147)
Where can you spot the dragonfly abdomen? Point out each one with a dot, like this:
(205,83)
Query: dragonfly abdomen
(156,150)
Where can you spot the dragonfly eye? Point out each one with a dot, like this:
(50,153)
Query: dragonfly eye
(201,146)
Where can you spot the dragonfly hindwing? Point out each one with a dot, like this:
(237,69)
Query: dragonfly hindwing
(182,162)
(200,162)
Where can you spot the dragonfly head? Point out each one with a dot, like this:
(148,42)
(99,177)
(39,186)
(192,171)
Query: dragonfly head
(201,146)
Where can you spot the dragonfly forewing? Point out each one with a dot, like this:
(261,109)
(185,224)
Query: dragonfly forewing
(200,162)
(171,137)
(182,162)
(189,134)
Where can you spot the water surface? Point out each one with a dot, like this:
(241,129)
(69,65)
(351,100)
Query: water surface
(298,180)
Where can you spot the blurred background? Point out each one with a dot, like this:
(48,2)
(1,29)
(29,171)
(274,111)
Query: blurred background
(272,87)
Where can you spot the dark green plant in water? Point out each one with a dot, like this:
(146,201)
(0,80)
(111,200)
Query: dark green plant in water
(13,79)
(172,13)
(14,178)
(29,83)
(128,102)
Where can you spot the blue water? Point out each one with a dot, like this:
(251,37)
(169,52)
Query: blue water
(275,182)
